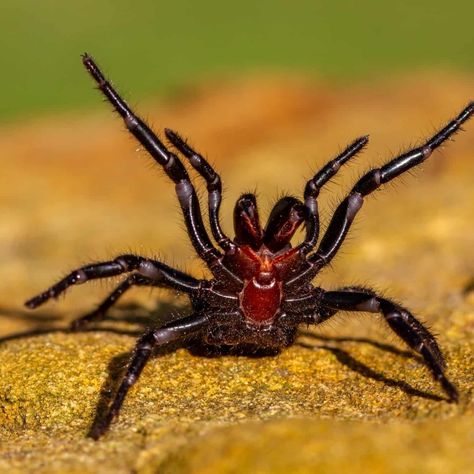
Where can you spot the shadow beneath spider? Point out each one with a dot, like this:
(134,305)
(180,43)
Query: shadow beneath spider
(28,315)
(118,366)
(115,372)
(135,314)
(45,323)
(468,287)
(49,329)
(250,351)
(350,362)
(364,340)
(160,315)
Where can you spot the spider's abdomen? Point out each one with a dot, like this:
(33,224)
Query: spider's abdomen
(260,298)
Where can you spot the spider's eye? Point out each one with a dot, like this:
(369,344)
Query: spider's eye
(248,230)
(285,218)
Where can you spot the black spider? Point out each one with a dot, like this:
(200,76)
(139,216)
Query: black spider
(261,286)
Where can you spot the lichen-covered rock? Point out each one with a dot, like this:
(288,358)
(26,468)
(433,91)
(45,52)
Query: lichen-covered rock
(347,396)
(52,386)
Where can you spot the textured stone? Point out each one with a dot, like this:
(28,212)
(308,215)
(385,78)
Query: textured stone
(323,446)
(347,395)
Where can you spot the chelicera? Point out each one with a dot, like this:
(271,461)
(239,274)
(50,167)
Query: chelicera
(260,290)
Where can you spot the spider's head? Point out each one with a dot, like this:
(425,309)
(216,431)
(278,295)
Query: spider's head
(286,216)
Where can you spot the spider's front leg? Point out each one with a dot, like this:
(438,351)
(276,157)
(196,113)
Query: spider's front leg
(401,321)
(190,326)
(214,186)
(314,185)
(350,206)
(175,170)
(346,211)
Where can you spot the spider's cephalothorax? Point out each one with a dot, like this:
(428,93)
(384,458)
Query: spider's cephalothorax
(260,290)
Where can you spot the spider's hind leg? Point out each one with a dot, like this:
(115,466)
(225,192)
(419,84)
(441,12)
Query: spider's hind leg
(401,321)
(135,279)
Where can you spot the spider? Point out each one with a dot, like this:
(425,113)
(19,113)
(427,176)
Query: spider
(260,290)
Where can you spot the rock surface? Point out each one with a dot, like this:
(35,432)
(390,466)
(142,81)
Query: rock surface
(347,395)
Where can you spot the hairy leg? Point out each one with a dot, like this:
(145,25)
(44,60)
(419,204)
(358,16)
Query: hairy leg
(170,163)
(213,182)
(401,321)
(151,269)
(314,185)
(174,331)
(350,206)
(347,210)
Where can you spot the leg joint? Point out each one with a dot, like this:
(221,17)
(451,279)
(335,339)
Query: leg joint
(77,277)
(369,182)
(128,261)
(149,269)
(131,122)
(354,203)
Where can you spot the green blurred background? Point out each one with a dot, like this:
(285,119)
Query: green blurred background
(153,47)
